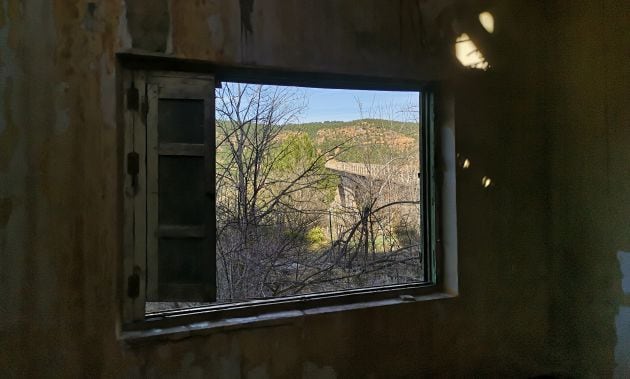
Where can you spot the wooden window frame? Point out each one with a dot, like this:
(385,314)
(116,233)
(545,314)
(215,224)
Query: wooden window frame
(138,326)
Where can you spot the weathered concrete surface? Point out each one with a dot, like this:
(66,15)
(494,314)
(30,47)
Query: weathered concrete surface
(590,178)
(524,308)
(149,24)
(58,175)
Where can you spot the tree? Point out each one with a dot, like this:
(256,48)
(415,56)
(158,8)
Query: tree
(384,204)
(269,191)
(276,197)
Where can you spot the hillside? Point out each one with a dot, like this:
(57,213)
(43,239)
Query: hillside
(364,140)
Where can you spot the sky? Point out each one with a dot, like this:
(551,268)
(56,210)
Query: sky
(324,104)
(343,105)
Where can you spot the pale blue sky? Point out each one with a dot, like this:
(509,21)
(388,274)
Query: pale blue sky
(343,105)
(324,104)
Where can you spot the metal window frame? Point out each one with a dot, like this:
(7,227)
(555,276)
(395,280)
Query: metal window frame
(230,313)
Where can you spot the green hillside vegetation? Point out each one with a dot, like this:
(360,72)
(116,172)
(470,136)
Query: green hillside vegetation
(410,129)
(364,140)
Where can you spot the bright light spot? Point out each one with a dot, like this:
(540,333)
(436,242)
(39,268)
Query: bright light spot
(466,163)
(487,21)
(468,54)
(486,182)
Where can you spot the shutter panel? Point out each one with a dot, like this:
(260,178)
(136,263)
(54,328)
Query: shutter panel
(181,263)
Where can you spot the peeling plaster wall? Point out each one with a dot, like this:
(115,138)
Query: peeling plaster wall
(373,38)
(58,237)
(60,167)
(590,191)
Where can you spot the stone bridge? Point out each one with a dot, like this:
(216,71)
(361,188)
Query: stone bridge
(388,182)
(401,174)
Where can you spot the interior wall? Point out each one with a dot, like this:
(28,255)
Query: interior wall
(61,165)
(590,188)
(399,39)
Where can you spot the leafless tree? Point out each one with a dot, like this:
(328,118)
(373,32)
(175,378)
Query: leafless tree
(270,198)
(263,208)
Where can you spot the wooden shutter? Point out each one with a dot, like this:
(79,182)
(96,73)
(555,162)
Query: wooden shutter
(180,248)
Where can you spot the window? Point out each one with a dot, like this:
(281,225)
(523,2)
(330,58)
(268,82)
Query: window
(241,190)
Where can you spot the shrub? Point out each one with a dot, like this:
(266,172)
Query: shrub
(316,237)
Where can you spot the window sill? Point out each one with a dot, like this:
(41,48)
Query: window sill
(194,322)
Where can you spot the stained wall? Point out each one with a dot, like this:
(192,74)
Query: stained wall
(590,183)
(61,168)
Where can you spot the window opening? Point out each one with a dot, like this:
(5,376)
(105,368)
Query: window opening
(317,190)
(253,191)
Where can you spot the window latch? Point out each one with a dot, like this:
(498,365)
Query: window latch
(133,168)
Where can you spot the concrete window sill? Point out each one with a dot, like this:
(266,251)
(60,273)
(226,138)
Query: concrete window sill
(196,322)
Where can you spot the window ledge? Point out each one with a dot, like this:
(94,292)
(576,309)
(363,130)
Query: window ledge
(155,331)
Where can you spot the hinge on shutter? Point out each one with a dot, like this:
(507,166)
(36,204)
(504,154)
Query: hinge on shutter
(133,168)
(133,98)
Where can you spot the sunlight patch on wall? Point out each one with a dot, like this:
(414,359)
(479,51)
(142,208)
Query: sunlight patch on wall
(487,21)
(486,182)
(468,54)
